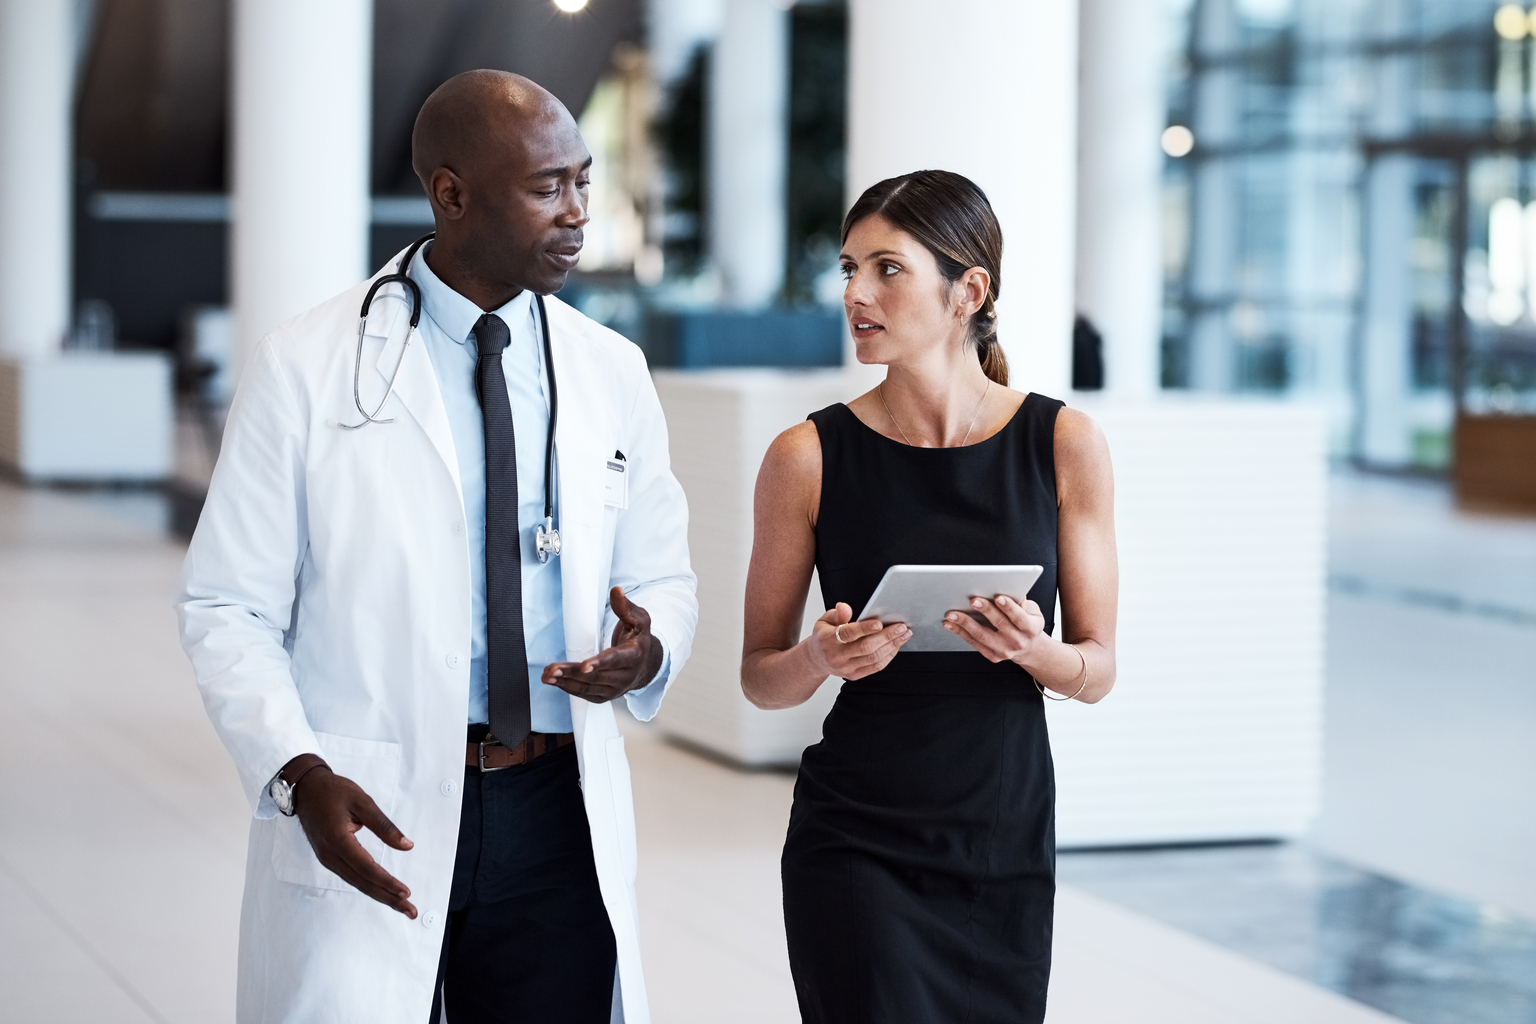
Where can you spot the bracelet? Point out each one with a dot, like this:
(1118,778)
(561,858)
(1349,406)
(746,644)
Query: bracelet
(1080,689)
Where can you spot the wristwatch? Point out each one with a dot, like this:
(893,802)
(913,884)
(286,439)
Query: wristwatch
(282,791)
(282,795)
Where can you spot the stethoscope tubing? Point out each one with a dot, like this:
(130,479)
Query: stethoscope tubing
(401,277)
(554,413)
(398,277)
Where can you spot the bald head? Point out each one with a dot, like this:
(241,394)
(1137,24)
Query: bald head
(472,116)
(506,170)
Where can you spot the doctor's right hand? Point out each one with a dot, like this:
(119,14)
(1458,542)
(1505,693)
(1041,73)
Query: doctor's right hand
(332,808)
(840,647)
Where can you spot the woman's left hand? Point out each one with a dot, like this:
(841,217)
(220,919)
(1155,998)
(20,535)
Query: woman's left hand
(1017,627)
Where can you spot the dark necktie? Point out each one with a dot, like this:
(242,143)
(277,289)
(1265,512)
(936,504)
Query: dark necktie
(507,652)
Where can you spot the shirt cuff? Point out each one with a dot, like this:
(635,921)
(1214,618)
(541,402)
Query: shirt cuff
(646,701)
(266,807)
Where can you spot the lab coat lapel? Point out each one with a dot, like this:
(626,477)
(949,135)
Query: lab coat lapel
(578,456)
(416,384)
(580,453)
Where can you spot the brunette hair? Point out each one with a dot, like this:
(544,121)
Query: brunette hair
(950,216)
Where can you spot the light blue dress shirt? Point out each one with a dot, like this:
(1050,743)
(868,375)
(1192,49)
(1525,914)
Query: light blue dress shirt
(446,327)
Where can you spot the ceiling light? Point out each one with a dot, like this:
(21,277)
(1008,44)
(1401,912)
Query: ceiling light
(1510,22)
(571,6)
(1178,141)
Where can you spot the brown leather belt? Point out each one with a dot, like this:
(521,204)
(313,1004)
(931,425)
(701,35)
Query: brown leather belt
(491,756)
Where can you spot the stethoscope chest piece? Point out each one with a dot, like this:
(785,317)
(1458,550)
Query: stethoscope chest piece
(546,540)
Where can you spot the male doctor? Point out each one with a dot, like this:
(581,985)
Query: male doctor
(417,702)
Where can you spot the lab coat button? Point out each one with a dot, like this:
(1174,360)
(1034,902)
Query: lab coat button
(454,661)
(429,919)
(448,787)
(458,528)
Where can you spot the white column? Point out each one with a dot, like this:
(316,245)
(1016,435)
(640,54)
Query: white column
(675,28)
(1218,92)
(1386,385)
(1385,378)
(988,89)
(302,81)
(748,144)
(37,70)
(1121,115)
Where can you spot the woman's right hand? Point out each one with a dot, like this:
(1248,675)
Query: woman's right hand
(863,649)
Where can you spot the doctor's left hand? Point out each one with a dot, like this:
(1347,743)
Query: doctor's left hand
(332,809)
(632,661)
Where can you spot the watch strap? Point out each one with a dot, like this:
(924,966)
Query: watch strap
(294,784)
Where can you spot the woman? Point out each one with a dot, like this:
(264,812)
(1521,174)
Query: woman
(919,868)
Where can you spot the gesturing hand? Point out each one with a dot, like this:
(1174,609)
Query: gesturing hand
(1016,626)
(862,649)
(332,810)
(632,661)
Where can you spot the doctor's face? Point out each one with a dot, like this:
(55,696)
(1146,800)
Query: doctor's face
(525,202)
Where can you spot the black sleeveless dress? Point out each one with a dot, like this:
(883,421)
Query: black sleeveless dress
(919,867)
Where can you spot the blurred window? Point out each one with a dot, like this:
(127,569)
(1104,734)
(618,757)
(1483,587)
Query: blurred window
(1360,198)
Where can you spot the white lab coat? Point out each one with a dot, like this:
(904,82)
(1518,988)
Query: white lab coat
(325,605)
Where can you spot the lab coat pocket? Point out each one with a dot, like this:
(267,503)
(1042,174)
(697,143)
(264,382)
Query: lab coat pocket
(623,805)
(372,764)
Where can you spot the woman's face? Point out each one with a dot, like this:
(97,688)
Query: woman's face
(897,303)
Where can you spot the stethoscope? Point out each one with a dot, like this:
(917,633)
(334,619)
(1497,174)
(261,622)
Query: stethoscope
(546,540)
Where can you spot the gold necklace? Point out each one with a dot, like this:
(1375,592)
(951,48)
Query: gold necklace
(880,390)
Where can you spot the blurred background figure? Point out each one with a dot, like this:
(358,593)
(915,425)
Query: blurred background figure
(1283,251)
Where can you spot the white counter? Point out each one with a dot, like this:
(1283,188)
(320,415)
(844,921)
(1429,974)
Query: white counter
(87,417)
(721,423)
(1214,728)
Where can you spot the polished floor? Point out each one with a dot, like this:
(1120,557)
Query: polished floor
(1422,955)
(123,837)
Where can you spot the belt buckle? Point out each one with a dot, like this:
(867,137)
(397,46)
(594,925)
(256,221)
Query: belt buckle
(483,768)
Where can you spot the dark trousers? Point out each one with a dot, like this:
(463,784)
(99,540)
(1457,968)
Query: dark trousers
(528,938)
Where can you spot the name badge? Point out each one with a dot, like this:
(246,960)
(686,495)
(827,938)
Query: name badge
(616,484)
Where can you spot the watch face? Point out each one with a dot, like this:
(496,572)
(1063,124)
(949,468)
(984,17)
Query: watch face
(282,795)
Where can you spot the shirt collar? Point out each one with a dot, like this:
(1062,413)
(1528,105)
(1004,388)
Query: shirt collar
(453,313)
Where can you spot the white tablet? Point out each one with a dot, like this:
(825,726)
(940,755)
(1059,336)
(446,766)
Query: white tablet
(920,596)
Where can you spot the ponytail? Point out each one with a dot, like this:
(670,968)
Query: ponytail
(994,363)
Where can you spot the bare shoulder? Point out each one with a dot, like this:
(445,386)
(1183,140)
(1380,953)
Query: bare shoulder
(795,455)
(1077,434)
(1082,456)
(790,478)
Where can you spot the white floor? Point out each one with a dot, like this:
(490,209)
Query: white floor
(123,831)
(1430,761)
(122,843)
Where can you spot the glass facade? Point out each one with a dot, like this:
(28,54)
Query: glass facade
(1356,220)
